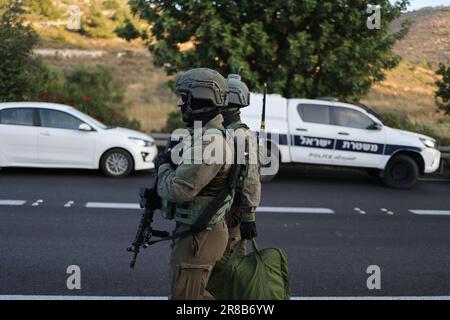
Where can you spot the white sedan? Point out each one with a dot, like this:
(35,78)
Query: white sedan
(47,135)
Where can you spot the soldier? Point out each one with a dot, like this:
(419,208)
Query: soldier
(241,217)
(186,189)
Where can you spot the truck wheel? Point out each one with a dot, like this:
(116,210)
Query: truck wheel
(116,163)
(401,172)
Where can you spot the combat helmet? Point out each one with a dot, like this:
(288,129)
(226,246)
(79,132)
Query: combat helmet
(203,91)
(239,95)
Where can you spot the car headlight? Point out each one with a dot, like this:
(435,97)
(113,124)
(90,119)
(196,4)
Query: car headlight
(429,143)
(142,142)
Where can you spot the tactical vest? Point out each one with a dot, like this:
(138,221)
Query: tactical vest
(188,213)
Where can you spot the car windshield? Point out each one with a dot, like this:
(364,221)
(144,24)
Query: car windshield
(371,111)
(90,119)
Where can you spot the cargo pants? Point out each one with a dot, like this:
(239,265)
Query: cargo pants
(193,259)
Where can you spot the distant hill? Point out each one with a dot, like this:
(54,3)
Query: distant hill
(428,40)
(409,89)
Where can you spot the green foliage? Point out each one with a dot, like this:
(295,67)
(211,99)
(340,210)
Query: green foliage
(95,92)
(401,121)
(16,44)
(305,48)
(24,77)
(128,31)
(44,8)
(174,121)
(95,24)
(443,93)
(44,81)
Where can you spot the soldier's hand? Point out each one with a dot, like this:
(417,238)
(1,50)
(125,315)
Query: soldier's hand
(162,159)
(248,230)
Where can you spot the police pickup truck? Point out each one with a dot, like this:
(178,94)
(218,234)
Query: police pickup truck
(328,132)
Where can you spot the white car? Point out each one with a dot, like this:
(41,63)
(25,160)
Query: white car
(328,132)
(47,135)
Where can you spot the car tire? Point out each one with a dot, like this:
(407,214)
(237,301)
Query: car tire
(401,172)
(116,163)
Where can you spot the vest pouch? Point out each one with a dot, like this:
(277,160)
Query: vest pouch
(167,209)
(188,213)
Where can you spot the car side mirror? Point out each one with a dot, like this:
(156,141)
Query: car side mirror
(85,127)
(375,126)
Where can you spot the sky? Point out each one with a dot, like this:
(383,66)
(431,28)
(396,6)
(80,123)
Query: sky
(417,4)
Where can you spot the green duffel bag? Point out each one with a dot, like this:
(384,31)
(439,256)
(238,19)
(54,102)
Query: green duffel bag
(261,275)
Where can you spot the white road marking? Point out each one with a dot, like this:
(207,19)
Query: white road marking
(61,297)
(69,204)
(431,212)
(112,205)
(359,211)
(12,202)
(295,210)
(384,209)
(37,203)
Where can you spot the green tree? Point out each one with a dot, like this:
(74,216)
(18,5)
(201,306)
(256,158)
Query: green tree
(16,44)
(306,48)
(128,31)
(443,93)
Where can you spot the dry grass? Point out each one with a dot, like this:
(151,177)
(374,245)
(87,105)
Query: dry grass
(409,89)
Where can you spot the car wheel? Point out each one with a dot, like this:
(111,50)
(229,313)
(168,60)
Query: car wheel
(401,172)
(116,163)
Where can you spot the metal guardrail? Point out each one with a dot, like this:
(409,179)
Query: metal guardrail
(161,140)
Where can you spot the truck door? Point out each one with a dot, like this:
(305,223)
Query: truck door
(359,142)
(312,136)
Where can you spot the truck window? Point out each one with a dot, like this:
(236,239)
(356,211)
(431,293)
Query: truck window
(314,113)
(351,118)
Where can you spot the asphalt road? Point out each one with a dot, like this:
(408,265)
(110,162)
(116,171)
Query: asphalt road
(333,225)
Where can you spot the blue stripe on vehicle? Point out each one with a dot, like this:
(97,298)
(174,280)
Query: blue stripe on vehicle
(392,148)
(337,144)
(280,138)
(312,142)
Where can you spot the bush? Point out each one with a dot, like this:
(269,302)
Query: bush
(128,31)
(401,121)
(44,8)
(443,93)
(95,92)
(16,45)
(174,121)
(95,24)
(92,90)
